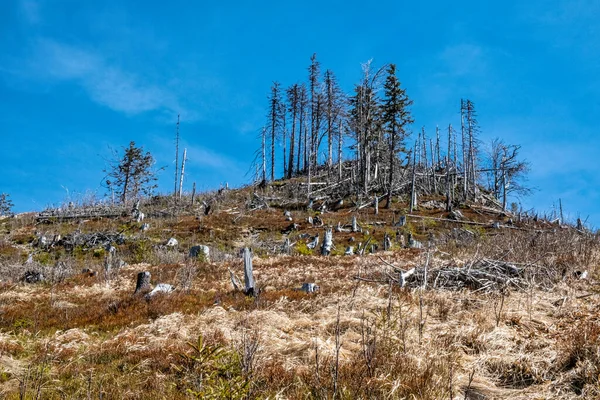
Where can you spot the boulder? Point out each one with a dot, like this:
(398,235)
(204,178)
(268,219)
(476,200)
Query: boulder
(200,251)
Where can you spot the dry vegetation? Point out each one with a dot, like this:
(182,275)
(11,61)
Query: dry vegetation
(78,336)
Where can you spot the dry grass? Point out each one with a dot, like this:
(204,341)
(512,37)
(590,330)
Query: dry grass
(87,337)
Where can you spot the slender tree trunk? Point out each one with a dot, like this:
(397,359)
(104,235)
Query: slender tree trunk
(264,154)
(464,155)
(176,155)
(413,193)
(393,144)
(433,166)
(290,170)
(182,172)
(437,146)
(284,145)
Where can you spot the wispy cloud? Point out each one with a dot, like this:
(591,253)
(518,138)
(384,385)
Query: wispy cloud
(30,10)
(105,83)
(463,59)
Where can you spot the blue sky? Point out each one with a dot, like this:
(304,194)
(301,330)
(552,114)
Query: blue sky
(78,77)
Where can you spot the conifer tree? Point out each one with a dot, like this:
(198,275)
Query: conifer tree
(5,204)
(274,121)
(396,117)
(132,175)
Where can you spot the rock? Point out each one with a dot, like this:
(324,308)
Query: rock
(290,228)
(200,251)
(314,242)
(310,287)
(172,242)
(580,274)
(145,227)
(433,205)
(401,221)
(349,251)
(456,215)
(161,288)
(32,277)
(89,272)
(414,244)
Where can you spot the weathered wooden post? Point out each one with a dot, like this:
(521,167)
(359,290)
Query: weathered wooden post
(248,274)
(143,282)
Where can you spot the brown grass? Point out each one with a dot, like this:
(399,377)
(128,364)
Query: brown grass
(88,337)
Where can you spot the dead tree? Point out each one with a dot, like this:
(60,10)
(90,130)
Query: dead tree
(249,289)
(176,155)
(293,107)
(182,172)
(413,192)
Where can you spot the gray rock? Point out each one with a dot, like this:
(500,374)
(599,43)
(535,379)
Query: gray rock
(310,287)
(161,288)
(198,251)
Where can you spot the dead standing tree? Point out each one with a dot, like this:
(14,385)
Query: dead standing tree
(249,288)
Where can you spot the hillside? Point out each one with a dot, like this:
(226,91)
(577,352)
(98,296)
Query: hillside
(498,306)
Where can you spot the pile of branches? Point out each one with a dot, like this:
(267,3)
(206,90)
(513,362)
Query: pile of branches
(480,275)
(91,240)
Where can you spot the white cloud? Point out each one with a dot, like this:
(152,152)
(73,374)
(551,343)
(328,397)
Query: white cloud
(462,60)
(203,157)
(30,10)
(106,84)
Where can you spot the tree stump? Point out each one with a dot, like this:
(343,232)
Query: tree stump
(143,282)
(387,242)
(354,224)
(327,242)
(248,274)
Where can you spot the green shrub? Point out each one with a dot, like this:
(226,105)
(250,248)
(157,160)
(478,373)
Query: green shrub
(303,249)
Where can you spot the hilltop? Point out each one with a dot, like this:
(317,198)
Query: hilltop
(460,300)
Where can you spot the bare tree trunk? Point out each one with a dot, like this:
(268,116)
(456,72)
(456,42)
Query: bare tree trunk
(437,147)
(284,142)
(448,198)
(340,151)
(413,193)
(464,155)
(433,167)
(182,172)
(290,169)
(193,192)
(264,154)
(176,156)
(505,184)
(249,289)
